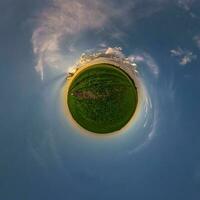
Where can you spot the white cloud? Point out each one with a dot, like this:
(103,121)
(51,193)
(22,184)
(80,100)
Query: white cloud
(185,4)
(115,51)
(197,40)
(66,19)
(103,45)
(184,56)
(187,59)
(148,60)
(177,52)
(189,7)
(136,58)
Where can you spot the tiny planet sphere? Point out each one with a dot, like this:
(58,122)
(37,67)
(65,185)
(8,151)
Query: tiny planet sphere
(102,98)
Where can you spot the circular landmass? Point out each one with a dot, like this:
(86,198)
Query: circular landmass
(102,98)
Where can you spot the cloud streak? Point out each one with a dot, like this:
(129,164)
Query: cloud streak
(184,56)
(185,4)
(197,40)
(146,59)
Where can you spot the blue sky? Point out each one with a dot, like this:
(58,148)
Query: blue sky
(44,158)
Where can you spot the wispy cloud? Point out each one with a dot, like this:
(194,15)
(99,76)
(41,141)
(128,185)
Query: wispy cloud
(186,4)
(148,60)
(66,19)
(115,51)
(184,56)
(197,40)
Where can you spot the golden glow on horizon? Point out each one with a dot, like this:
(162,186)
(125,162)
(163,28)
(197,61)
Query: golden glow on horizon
(64,95)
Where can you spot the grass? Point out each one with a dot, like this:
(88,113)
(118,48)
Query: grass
(102,98)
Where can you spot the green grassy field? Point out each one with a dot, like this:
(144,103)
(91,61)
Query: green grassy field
(102,98)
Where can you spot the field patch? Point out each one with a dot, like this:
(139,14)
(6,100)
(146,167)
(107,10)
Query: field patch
(102,98)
